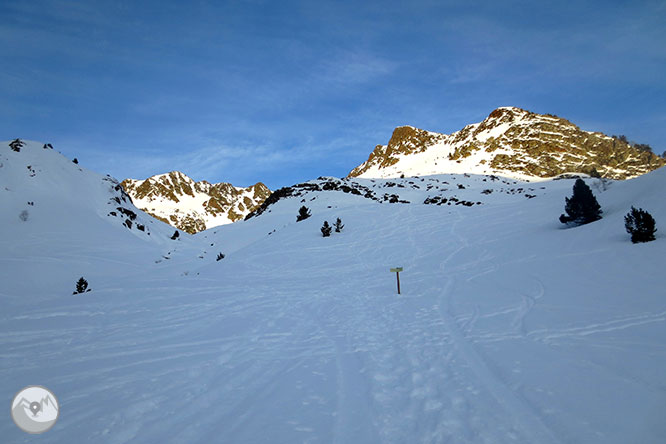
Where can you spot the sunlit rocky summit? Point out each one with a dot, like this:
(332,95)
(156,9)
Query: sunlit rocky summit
(510,142)
(194,206)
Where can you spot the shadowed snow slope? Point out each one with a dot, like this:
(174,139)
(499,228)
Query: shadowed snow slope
(510,328)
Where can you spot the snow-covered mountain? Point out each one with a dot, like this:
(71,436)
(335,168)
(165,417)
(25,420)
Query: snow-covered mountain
(194,206)
(510,142)
(511,328)
(59,220)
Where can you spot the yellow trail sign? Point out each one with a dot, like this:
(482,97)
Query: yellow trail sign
(397,275)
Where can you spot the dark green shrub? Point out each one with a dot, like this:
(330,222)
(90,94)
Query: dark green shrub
(582,207)
(640,224)
(303,213)
(326,229)
(16,145)
(81,286)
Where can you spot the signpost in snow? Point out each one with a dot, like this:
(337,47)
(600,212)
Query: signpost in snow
(397,275)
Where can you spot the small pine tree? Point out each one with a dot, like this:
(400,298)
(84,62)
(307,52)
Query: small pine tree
(338,225)
(582,207)
(220,256)
(326,229)
(81,286)
(175,236)
(303,213)
(640,224)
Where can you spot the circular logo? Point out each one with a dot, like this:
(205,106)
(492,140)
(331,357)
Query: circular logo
(35,409)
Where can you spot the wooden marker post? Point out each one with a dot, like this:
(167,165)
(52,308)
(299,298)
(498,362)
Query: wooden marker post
(397,275)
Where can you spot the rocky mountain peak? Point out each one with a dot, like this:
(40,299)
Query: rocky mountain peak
(510,142)
(192,206)
(408,140)
(507,113)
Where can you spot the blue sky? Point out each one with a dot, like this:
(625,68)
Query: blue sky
(283,92)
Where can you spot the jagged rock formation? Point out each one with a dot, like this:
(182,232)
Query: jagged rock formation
(510,142)
(194,206)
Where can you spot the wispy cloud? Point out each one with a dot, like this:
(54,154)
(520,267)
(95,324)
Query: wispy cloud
(354,67)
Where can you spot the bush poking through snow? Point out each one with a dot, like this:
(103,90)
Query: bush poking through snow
(81,286)
(220,256)
(16,145)
(175,235)
(303,213)
(582,207)
(338,225)
(640,224)
(326,229)
(23,215)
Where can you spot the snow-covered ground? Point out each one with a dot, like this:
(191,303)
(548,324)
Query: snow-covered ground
(509,329)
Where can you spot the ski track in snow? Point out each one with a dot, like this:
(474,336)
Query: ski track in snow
(524,421)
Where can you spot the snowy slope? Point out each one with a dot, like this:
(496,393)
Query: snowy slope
(510,328)
(78,223)
(194,206)
(510,142)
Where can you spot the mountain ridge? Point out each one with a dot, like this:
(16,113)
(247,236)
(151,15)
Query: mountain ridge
(193,206)
(510,142)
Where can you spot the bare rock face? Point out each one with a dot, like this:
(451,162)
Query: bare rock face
(194,206)
(510,142)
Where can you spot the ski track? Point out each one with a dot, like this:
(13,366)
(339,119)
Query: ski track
(523,418)
(548,335)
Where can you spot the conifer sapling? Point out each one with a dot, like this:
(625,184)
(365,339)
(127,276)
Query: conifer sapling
(326,229)
(640,224)
(303,213)
(81,286)
(582,207)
